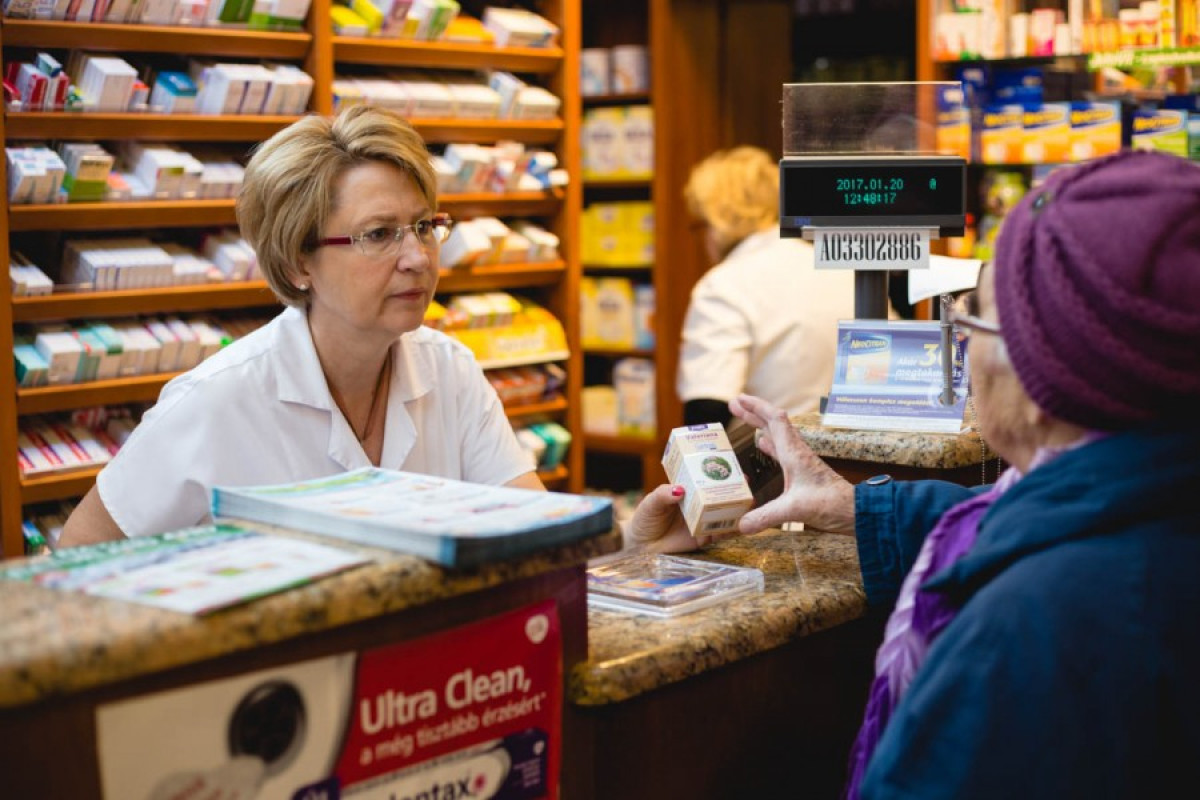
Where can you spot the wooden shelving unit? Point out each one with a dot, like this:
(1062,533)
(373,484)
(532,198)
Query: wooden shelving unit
(691,73)
(492,277)
(319,53)
(155,39)
(445,55)
(142,301)
(44,399)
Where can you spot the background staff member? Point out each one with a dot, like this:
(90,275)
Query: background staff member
(762,320)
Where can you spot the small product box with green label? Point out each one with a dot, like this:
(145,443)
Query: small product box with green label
(701,460)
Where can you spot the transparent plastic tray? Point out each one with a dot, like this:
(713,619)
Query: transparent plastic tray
(667,586)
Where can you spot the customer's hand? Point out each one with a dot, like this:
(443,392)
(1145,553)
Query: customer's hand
(812,492)
(657,524)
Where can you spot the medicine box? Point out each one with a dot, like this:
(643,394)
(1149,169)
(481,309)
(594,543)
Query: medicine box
(1095,129)
(1163,129)
(1002,134)
(633,378)
(716,495)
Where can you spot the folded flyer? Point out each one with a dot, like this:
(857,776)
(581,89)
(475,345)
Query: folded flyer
(195,571)
(453,523)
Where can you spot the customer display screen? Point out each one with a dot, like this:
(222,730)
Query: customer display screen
(868,188)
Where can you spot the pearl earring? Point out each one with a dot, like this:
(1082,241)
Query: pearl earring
(302,287)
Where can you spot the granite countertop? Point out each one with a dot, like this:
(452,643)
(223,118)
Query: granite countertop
(932,450)
(812,582)
(54,642)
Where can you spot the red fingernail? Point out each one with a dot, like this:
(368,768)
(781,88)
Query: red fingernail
(676,491)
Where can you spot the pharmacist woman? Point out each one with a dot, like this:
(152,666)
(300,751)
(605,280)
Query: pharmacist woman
(763,320)
(1043,638)
(342,214)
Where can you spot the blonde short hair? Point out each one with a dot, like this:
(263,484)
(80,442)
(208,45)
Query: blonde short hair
(736,192)
(288,190)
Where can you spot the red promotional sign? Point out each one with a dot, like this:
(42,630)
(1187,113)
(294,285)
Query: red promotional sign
(471,712)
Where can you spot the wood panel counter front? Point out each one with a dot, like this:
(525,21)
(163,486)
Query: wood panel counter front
(63,655)
(758,697)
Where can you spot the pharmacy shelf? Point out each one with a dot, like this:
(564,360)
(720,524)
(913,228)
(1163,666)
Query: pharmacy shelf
(455,55)
(509,204)
(628,99)
(76,483)
(488,131)
(200,213)
(620,352)
(58,486)
(621,445)
(526,361)
(245,294)
(108,216)
(615,184)
(155,39)
(554,406)
(146,127)
(499,277)
(139,389)
(553,476)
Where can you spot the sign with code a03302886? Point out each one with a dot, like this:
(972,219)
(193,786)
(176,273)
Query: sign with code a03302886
(871,249)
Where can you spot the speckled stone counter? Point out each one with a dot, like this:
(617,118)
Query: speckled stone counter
(931,450)
(756,697)
(811,583)
(54,643)
(857,454)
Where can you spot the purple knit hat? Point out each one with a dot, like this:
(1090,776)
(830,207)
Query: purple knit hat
(1098,291)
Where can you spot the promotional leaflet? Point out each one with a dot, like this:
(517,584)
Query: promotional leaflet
(195,571)
(888,376)
(472,712)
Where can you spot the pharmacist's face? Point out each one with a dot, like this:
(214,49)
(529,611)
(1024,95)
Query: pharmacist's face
(384,294)
(1007,416)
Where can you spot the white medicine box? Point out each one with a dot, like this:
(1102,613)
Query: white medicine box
(716,495)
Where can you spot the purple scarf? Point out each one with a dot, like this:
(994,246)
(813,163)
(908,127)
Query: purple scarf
(919,616)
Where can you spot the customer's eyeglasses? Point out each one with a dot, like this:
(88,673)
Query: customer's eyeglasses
(386,241)
(969,318)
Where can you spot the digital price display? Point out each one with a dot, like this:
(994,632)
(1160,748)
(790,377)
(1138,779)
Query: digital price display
(864,191)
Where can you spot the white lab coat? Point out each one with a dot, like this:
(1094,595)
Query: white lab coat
(764,321)
(260,412)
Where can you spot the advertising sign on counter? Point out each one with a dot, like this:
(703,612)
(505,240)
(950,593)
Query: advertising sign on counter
(473,712)
(888,376)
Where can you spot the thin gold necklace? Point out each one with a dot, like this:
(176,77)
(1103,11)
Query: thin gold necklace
(379,384)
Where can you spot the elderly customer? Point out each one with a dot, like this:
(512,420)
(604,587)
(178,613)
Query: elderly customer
(1043,640)
(342,214)
(762,320)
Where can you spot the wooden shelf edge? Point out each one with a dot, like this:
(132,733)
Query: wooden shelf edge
(551,476)
(149,127)
(620,445)
(627,98)
(245,294)
(140,214)
(555,406)
(156,38)
(59,485)
(137,389)
(466,55)
(497,276)
(619,353)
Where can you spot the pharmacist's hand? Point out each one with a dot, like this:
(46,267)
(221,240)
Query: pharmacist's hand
(812,492)
(657,524)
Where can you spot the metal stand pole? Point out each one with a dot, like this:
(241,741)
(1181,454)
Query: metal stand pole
(870,294)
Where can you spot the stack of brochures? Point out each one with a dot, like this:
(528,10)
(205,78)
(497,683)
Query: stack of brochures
(194,571)
(454,523)
(667,586)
